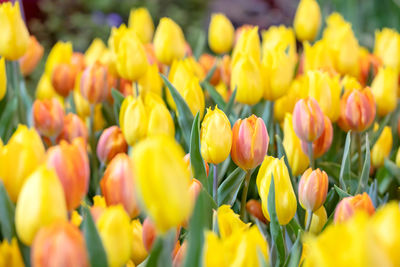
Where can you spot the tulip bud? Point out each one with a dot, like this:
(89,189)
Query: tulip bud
(313,187)
(220,33)
(116,235)
(3,78)
(151,81)
(94,83)
(45,89)
(59,244)
(139,252)
(40,203)
(308,119)
(195,188)
(215,136)
(48,117)
(61,53)
(248,45)
(346,208)
(322,144)
(14,34)
(318,220)
(229,222)
(249,142)
(307,20)
(387,47)
(117,185)
(10,253)
(169,41)
(63,78)
(285,210)
(71,163)
(148,234)
(98,208)
(111,142)
(162,181)
(32,56)
(73,127)
(254,208)
(384,89)
(142,23)
(382,147)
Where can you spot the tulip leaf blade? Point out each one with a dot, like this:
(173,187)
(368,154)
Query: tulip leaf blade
(382,124)
(94,245)
(196,160)
(185,116)
(7,211)
(276,232)
(362,185)
(282,153)
(118,99)
(295,253)
(214,95)
(393,169)
(229,105)
(160,254)
(7,117)
(341,193)
(229,189)
(345,166)
(210,72)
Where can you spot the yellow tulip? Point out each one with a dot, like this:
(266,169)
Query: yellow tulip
(387,47)
(14,34)
(279,36)
(318,220)
(384,88)
(382,147)
(162,181)
(151,81)
(20,157)
(229,222)
(116,235)
(158,116)
(283,189)
(350,83)
(3,78)
(60,53)
(10,254)
(221,33)
(45,89)
(307,20)
(169,41)
(298,160)
(40,203)
(215,136)
(94,52)
(139,252)
(317,57)
(141,22)
(81,104)
(131,57)
(248,44)
(246,78)
(398,158)
(194,67)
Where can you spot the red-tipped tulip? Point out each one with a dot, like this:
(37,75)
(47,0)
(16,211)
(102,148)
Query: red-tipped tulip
(323,143)
(313,187)
(48,116)
(111,142)
(73,127)
(360,109)
(346,208)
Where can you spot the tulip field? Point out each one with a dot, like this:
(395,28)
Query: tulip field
(266,147)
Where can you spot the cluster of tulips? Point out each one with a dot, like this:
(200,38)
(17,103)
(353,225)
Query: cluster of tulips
(116,161)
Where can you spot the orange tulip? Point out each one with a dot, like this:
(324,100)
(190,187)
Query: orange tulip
(73,127)
(63,78)
(149,234)
(111,142)
(313,187)
(346,208)
(94,83)
(322,144)
(78,61)
(48,116)
(360,109)
(254,208)
(32,56)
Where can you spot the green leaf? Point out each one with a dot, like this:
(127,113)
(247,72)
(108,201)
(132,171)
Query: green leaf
(94,245)
(185,117)
(196,160)
(201,41)
(7,211)
(276,233)
(341,193)
(118,99)
(210,72)
(214,95)
(345,166)
(229,105)
(382,124)
(6,118)
(161,253)
(282,153)
(393,169)
(295,253)
(228,190)
(261,258)
(365,170)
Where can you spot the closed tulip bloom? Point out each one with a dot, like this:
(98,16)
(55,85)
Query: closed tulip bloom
(151,81)
(94,83)
(32,56)
(308,119)
(63,79)
(149,234)
(246,79)
(162,181)
(249,142)
(220,33)
(318,220)
(229,222)
(169,41)
(117,185)
(133,119)
(307,20)
(384,88)
(59,244)
(45,90)
(359,109)
(139,252)
(194,96)
(71,163)
(323,143)
(142,23)
(346,208)
(382,147)
(48,117)
(283,189)
(15,36)
(254,208)
(94,52)
(280,36)
(159,120)
(19,158)
(40,203)
(313,187)
(248,44)
(78,61)
(116,235)
(387,47)
(215,136)
(73,127)
(317,57)
(111,142)
(10,254)
(3,78)
(61,53)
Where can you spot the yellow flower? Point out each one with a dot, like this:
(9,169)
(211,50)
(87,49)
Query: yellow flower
(382,147)
(3,78)
(384,89)
(229,222)
(94,52)
(317,57)
(14,34)
(81,104)
(142,23)
(158,116)
(40,203)
(307,20)
(387,47)
(169,41)
(116,235)
(60,53)
(221,33)
(318,220)
(215,136)
(287,102)
(248,44)
(162,181)
(45,89)
(151,81)
(298,160)
(350,83)
(139,252)
(10,254)
(398,158)
(76,218)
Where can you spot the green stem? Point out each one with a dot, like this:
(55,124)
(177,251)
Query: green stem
(360,158)
(244,194)
(215,184)
(309,218)
(17,91)
(92,140)
(311,154)
(137,88)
